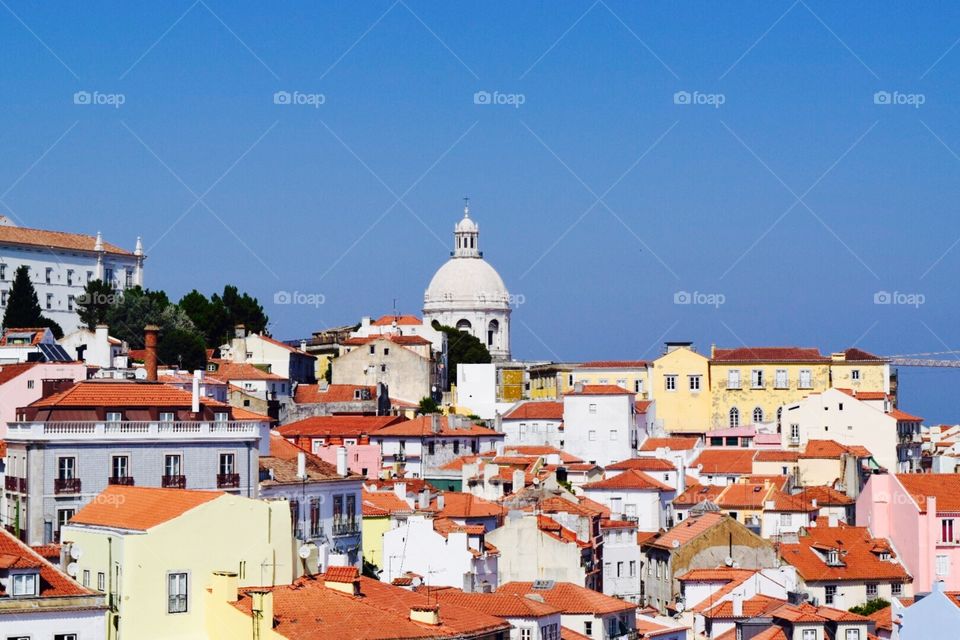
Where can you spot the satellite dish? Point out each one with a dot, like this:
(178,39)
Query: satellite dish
(728,561)
(72,569)
(417,581)
(680,606)
(675,544)
(75,551)
(304,551)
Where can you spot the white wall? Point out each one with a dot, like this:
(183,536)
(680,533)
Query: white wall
(600,429)
(88,625)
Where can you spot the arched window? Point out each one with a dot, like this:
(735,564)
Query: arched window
(734,417)
(757,415)
(492,330)
(464,325)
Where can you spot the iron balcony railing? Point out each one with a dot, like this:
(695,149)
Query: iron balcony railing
(173,482)
(66,485)
(346,526)
(125,481)
(228,480)
(17,485)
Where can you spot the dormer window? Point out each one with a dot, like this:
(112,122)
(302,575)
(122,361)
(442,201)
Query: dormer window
(833,557)
(24,584)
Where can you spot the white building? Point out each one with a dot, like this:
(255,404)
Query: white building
(533,423)
(621,559)
(445,553)
(468,293)
(61,264)
(429,442)
(294,364)
(96,347)
(633,495)
(400,325)
(599,423)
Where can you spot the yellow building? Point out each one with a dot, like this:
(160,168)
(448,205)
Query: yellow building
(632,375)
(749,384)
(379,508)
(550,381)
(153,552)
(680,388)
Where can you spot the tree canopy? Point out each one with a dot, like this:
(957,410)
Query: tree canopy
(462,347)
(217,316)
(23,307)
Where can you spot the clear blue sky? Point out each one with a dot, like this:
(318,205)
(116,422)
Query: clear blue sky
(797,199)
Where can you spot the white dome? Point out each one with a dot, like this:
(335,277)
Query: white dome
(466,225)
(466,283)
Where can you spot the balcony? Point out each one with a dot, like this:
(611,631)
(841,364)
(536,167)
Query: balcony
(346,526)
(173,482)
(17,485)
(228,480)
(132,431)
(66,485)
(123,481)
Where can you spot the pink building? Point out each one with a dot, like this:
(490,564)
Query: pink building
(920,515)
(361,458)
(24,383)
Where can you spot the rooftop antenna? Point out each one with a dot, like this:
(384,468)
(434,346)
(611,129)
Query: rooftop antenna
(466,206)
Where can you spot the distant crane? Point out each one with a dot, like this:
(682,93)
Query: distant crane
(925,359)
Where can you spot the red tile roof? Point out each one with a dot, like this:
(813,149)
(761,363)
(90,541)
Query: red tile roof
(458,505)
(111,393)
(570,634)
(313,394)
(677,443)
(382,503)
(769,354)
(405,341)
(10,371)
(945,487)
(422,427)
(725,461)
(690,528)
(349,426)
(776,455)
(615,364)
(14,554)
(388,320)
(858,553)
(342,574)
(859,355)
(600,390)
(826,496)
(643,464)
(281,464)
(55,240)
(697,493)
(756,606)
(309,610)
(641,406)
(832,449)
(140,508)
(629,480)
(502,605)
(902,416)
(536,410)
(571,599)
(227,370)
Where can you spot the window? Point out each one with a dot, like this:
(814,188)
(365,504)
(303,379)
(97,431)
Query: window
(227,464)
(855,374)
(63,517)
(431,448)
(167,416)
(756,378)
(30,384)
(101,582)
(171,464)
(64,636)
(608,569)
(734,417)
(591,435)
(784,519)
(314,517)
(780,380)
(86,578)
(456,447)
(795,432)
(3,298)
(757,415)
(383,368)
(613,434)
(592,408)
(386,351)
(670,382)
(896,589)
(114,416)
(588,627)
(943,565)
(221,417)
(3,272)
(89,276)
(70,277)
(809,634)
(48,275)
(829,594)
(946,530)
(70,302)
(620,569)
(694,382)
(66,468)
(373,350)
(806,379)
(633,568)
(127,278)
(853,634)
(638,386)
(49,301)
(176,592)
(733,379)
(120,466)
(871,590)
(24,584)
(526,634)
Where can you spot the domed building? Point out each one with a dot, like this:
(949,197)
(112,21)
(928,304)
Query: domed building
(469,294)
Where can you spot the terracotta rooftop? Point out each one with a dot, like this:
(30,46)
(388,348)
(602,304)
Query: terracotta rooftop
(458,505)
(423,427)
(571,599)
(677,443)
(903,416)
(337,425)
(405,341)
(756,606)
(859,556)
(382,503)
(945,487)
(725,461)
(227,370)
(536,410)
(55,240)
(10,371)
(313,394)
(860,355)
(309,610)
(281,465)
(642,464)
(600,390)
(826,496)
(112,393)
(502,605)
(14,554)
(776,455)
(769,354)
(641,406)
(631,479)
(697,493)
(832,449)
(690,528)
(140,508)
(402,320)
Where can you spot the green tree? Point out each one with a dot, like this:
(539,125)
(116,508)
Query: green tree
(461,348)
(183,348)
(94,303)
(428,405)
(23,307)
(871,606)
(217,316)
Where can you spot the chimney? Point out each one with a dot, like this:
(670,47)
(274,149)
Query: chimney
(435,423)
(224,586)
(101,351)
(345,582)
(342,469)
(518,479)
(423,499)
(400,490)
(303,346)
(150,345)
(302,465)
(262,610)
(499,447)
(195,389)
(239,331)
(440,501)
(736,600)
(425,614)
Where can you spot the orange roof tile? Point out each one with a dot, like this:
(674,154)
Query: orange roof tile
(140,508)
(945,487)
(502,605)
(282,464)
(458,505)
(113,393)
(769,354)
(631,479)
(600,390)
(676,443)
(696,493)
(14,554)
(405,341)
(858,554)
(10,371)
(643,464)
(422,427)
(55,240)
(826,496)
(902,416)
(725,461)
(337,425)
(571,599)
(691,527)
(388,320)
(227,370)
(536,410)
(382,503)
(754,607)
(776,455)
(313,394)
(641,406)
(827,449)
